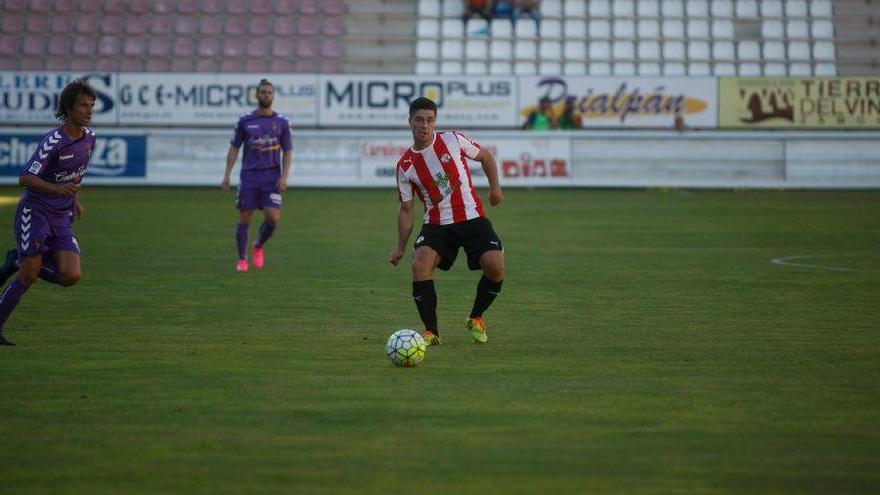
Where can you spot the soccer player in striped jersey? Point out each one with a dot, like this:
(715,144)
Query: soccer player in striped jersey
(435,169)
(46,247)
(265,165)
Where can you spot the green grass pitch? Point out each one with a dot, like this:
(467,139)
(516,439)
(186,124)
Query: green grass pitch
(643,343)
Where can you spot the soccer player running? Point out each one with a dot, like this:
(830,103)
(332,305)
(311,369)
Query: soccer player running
(46,247)
(436,169)
(264,169)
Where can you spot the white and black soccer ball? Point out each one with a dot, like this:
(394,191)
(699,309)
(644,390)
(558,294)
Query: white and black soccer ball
(406,348)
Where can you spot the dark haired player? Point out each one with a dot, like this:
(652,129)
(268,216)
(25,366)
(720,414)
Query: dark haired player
(264,169)
(46,247)
(436,169)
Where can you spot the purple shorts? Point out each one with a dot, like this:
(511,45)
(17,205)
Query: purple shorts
(253,195)
(38,231)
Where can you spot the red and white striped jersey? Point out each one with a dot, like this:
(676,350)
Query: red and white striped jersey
(440,176)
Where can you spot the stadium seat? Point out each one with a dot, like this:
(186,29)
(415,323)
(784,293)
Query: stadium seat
(453,8)
(551,8)
(452,49)
(310,7)
(599,28)
(774,50)
(673,50)
(574,50)
(16,5)
(163,7)
(283,48)
(209,47)
(236,47)
(89,6)
(36,63)
(61,63)
(276,65)
(235,25)
(333,26)
(502,28)
(525,50)
(305,65)
(158,65)
(331,49)
(797,29)
(284,26)
(187,7)
(108,65)
(212,7)
(599,69)
(749,69)
(649,28)
(823,50)
(823,29)
(37,24)
(187,26)
(623,8)
(475,68)
(89,24)
(11,25)
(62,25)
(599,50)
(525,68)
(672,8)
(284,7)
(131,64)
(109,46)
(452,28)
(821,8)
(232,65)
(648,8)
(798,50)
(307,48)
(58,46)
(183,47)
(334,7)
(649,69)
(722,28)
(210,25)
(673,28)
(723,50)
(800,69)
(256,66)
(698,51)
(258,47)
(574,68)
(674,69)
(525,29)
(826,70)
(426,67)
(648,50)
(182,65)
(697,28)
(724,69)
(261,7)
(749,50)
(134,46)
(426,49)
(476,49)
(550,50)
(260,26)
(796,8)
(771,8)
(549,68)
(427,28)
(308,25)
(699,69)
(772,29)
(747,9)
(476,27)
(501,50)
(697,8)
(623,50)
(578,9)
(550,28)
(574,28)
(429,8)
(451,67)
(624,28)
(500,68)
(623,69)
(159,46)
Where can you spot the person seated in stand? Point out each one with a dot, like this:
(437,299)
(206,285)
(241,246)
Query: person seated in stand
(542,118)
(531,8)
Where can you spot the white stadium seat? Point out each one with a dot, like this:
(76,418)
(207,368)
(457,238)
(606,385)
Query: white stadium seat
(749,50)
(550,50)
(500,68)
(502,28)
(649,69)
(673,28)
(549,68)
(723,50)
(749,69)
(452,28)
(501,50)
(623,8)
(772,29)
(428,28)
(451,67)
(574,68)
(623,50)
(724,69)
(747,8)
(796,8)
(826,70)
(599,69)
(698,28)
(426,49)
(800,69)
(722,28)
(648,8)
(774,69)
(551,8)
(774,50)
(550,28)
(575,8)
(821,8)
(649,28)
(697,8)
(426,67)
(574,28)
(648,50)
(475,68)
(476,49)
(599,28)
(624,28)
(699,50)
(674,69)
(452,49)
(575,50)
(525,28)
(453,8)
(623,69)
(600,50)
(797,28)
(525,50)
(429,8)
(823,29)
(721,8)
(673,50)
(672,8)
(771,8)
(699,69)
(798,50)
(525,68)
(823,50)
(476,26)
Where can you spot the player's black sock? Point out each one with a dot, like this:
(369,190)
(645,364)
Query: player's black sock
(486,292)
(426,302)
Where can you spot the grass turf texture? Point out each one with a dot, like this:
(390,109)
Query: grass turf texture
(643,343)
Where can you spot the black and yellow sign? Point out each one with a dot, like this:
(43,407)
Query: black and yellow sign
(810,102)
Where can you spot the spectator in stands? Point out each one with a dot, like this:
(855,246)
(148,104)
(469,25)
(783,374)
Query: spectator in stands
(530,8)
(482,8)
(679,121)
(542,118)
(503,9)
(569,119)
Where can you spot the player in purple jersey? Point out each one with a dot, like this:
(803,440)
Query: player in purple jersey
(46,247)
(264,168)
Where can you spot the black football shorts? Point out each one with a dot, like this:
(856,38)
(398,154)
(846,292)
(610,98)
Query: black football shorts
(476,236)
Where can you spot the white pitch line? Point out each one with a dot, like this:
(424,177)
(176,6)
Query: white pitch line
(784,261)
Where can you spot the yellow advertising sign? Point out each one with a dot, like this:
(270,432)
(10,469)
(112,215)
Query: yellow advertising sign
(794,102)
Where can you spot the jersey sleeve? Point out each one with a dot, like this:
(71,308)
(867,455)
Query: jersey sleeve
(404,186)
(286,142)
(470,148)
(238,137)
(45,155)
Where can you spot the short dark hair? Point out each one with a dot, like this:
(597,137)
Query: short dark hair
(265,82)
(422,103)
(69,95)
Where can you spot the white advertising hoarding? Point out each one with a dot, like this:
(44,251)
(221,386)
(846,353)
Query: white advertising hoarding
(621,101)
(383,100)
(210,99)
(32,97)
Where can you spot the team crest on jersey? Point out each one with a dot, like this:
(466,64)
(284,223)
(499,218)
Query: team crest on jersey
(445,158)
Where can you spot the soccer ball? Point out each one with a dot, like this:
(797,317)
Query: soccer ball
(406,348)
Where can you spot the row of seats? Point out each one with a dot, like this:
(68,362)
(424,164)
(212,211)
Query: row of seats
(174,64)
(280,7)
(628,68)
(653,8)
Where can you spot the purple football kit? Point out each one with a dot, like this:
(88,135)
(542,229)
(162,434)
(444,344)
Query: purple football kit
(264,138)
(43,220)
